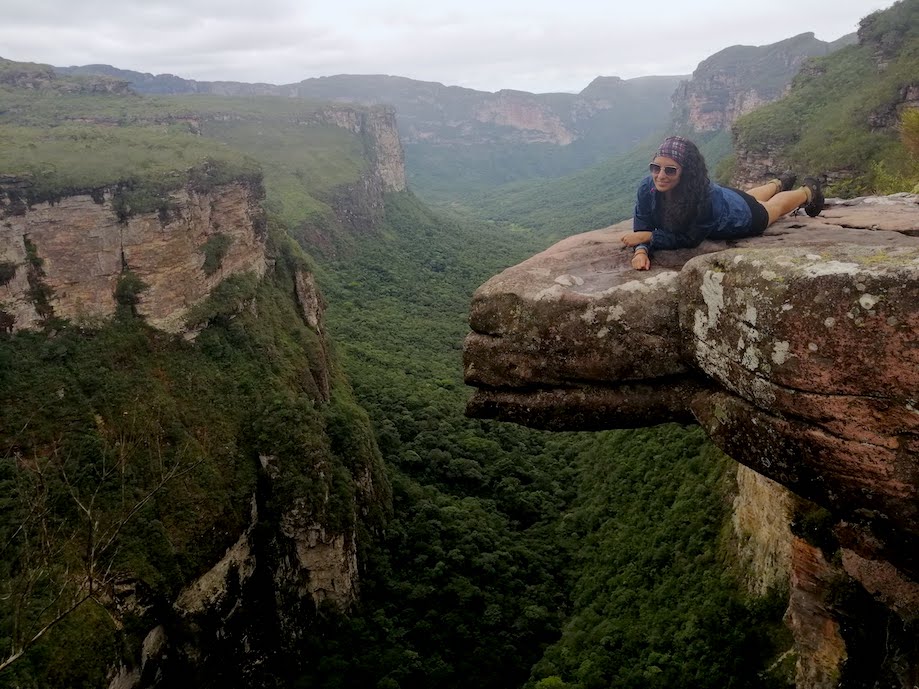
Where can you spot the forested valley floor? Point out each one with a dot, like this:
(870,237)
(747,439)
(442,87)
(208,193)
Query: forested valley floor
(516,557)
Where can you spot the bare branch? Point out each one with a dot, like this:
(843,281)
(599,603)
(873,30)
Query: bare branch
(18,653)
(173,474)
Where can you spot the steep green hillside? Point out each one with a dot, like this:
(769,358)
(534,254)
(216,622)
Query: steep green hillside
(129,460)
(842,114)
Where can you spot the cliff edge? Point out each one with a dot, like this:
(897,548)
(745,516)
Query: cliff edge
(797,352)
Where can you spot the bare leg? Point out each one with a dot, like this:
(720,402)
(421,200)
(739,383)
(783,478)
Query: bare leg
(784,202)
(766,191)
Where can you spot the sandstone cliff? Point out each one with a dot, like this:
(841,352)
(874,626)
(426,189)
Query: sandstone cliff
(377,129)
(65,258)
(797,352)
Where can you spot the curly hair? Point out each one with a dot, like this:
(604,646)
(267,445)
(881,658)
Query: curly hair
(689,197)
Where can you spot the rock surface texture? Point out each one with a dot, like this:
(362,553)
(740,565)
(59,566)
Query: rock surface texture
(797,352)
(66,258)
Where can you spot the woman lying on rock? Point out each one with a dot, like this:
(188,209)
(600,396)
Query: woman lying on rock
(678,206)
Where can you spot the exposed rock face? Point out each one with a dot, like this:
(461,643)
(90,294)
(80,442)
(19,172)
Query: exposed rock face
(818,637)
(312,308)
(761,519)
(212,590)
(798,352)
(69,255)
(739,79)
(714,102)
(523,111)
(377,129)
(322,563)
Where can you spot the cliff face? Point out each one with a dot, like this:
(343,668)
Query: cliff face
(382,146)
(67,257)
(795,351)
(70,259)
(523,112)
(739,79)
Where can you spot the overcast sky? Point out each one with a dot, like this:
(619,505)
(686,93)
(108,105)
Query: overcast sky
(484,44)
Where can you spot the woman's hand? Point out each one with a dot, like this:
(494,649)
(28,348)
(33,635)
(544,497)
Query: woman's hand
(640,260)
(636,238)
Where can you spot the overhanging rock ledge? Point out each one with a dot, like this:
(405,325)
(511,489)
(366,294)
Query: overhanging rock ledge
(797,352)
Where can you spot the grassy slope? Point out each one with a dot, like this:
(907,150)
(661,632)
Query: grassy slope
(824,123)
(53,139)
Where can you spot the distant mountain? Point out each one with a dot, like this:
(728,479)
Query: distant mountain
(739,79)
(460,139)
(461,142)
(30,75)
(431,112)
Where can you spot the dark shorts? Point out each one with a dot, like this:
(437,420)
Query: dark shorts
(760,214)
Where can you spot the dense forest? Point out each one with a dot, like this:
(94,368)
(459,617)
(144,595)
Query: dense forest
(506,543)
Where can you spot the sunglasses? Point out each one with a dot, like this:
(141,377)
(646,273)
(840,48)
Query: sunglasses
(670,170)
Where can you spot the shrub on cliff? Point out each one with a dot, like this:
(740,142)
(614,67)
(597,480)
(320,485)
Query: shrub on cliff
(215,249)
(129,289)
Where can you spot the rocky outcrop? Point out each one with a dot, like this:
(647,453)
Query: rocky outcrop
(761,520)
(798,353)
(67,257)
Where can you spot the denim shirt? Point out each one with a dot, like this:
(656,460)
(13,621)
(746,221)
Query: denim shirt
(725,216)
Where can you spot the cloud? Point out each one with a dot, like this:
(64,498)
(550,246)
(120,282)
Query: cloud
(533,45)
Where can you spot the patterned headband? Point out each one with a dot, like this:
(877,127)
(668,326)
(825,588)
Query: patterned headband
(673,147)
